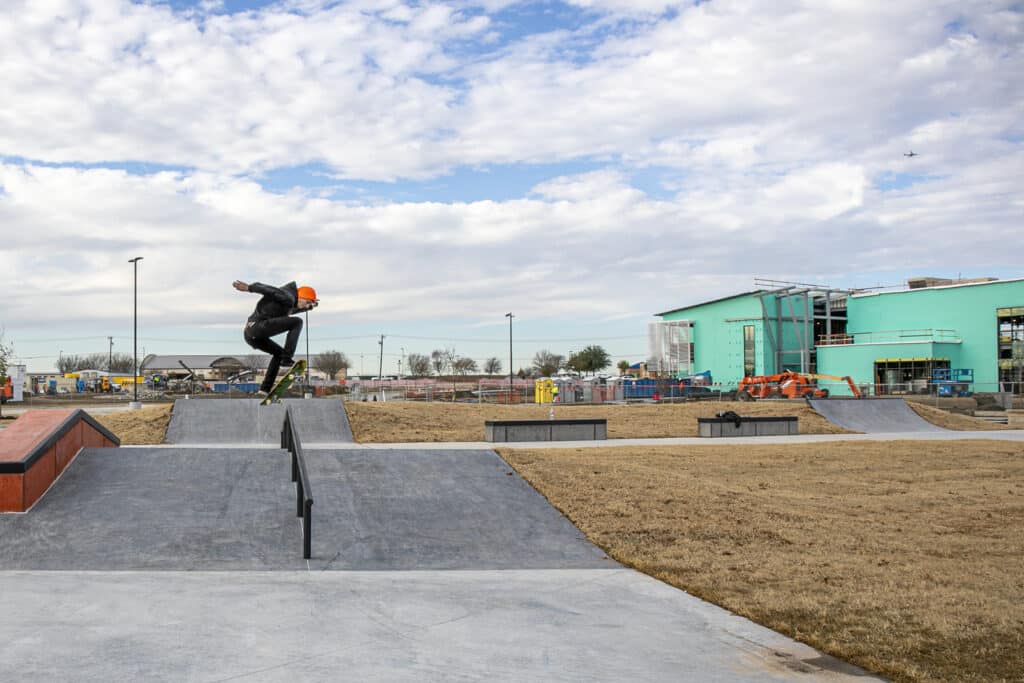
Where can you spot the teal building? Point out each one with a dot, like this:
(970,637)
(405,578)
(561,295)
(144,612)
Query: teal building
(887,342)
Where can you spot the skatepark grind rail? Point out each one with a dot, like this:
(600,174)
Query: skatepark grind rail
(291,442)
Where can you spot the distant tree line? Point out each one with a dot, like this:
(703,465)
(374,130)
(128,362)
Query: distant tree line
(444,362)
(447,362)
(117,362)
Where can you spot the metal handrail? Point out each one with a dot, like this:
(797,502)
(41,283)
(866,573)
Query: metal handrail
(291,442)
(890,336)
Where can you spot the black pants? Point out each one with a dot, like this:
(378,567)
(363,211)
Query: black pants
(258,335)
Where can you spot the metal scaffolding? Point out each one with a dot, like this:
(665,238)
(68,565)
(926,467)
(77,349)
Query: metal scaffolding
(801,305)
(670,346)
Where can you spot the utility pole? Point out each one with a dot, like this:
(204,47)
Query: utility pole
(401,359)
(307,354)
(110,356)
(380,368)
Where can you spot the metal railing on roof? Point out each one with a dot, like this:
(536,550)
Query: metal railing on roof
(891,337)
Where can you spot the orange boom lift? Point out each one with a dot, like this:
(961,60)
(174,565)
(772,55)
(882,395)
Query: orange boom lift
(788,385)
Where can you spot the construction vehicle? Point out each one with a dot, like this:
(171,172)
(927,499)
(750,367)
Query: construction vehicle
(853,387)
(788,385)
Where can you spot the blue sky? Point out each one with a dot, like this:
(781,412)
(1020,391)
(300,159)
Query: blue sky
(429,166)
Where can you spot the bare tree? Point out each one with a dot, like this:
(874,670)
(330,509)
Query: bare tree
(464,366)
(123,362)
(419,365)
(69,363)
(547,363)
(450,359)
(492,366)
(332,362)
(439,360)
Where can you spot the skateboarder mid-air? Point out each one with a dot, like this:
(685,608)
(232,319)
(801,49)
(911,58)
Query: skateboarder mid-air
(273,316)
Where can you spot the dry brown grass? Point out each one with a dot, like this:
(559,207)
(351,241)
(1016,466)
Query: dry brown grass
(900,557)
(405,421)
(138,427)
(943,418)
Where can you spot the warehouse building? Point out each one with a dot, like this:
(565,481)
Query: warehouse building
(888,341)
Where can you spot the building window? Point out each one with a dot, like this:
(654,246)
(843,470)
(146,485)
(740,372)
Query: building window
(1011,348)
(895,376)
(749,367)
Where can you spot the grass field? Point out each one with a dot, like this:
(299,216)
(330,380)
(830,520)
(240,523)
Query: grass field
(901,557)
(401,421)
(138,427)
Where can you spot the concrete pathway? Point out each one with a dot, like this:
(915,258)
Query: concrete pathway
(541,625)
(999,435)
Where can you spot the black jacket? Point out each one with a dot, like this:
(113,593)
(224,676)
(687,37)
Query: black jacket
(276,302)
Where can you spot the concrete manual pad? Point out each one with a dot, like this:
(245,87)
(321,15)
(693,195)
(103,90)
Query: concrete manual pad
(555,625)
(245,421)
(872,415)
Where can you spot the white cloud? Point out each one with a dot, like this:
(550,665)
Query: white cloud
(386,90)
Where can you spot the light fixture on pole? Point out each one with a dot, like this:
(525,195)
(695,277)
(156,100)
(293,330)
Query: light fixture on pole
(509,316)
(135,333)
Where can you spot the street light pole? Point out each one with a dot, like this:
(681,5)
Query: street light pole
(509,316)
(380,369)
(135,332)
(307,353)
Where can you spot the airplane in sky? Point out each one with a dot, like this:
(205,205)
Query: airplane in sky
(911,153)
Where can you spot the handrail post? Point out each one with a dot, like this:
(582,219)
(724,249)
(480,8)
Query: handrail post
(303,501)
(307,530)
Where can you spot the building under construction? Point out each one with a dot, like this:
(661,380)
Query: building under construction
(892,341)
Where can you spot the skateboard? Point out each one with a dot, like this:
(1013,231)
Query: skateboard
(284,383)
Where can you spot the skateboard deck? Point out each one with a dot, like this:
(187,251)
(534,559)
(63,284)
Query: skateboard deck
(284,383)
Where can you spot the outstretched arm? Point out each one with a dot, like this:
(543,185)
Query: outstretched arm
(269,290)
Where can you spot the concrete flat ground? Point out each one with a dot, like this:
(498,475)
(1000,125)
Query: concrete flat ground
(547,625)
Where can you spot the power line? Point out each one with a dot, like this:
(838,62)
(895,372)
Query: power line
(532,341)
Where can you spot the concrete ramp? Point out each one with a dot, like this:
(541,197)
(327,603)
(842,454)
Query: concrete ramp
(436,509)
(872,415)
(245,421)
